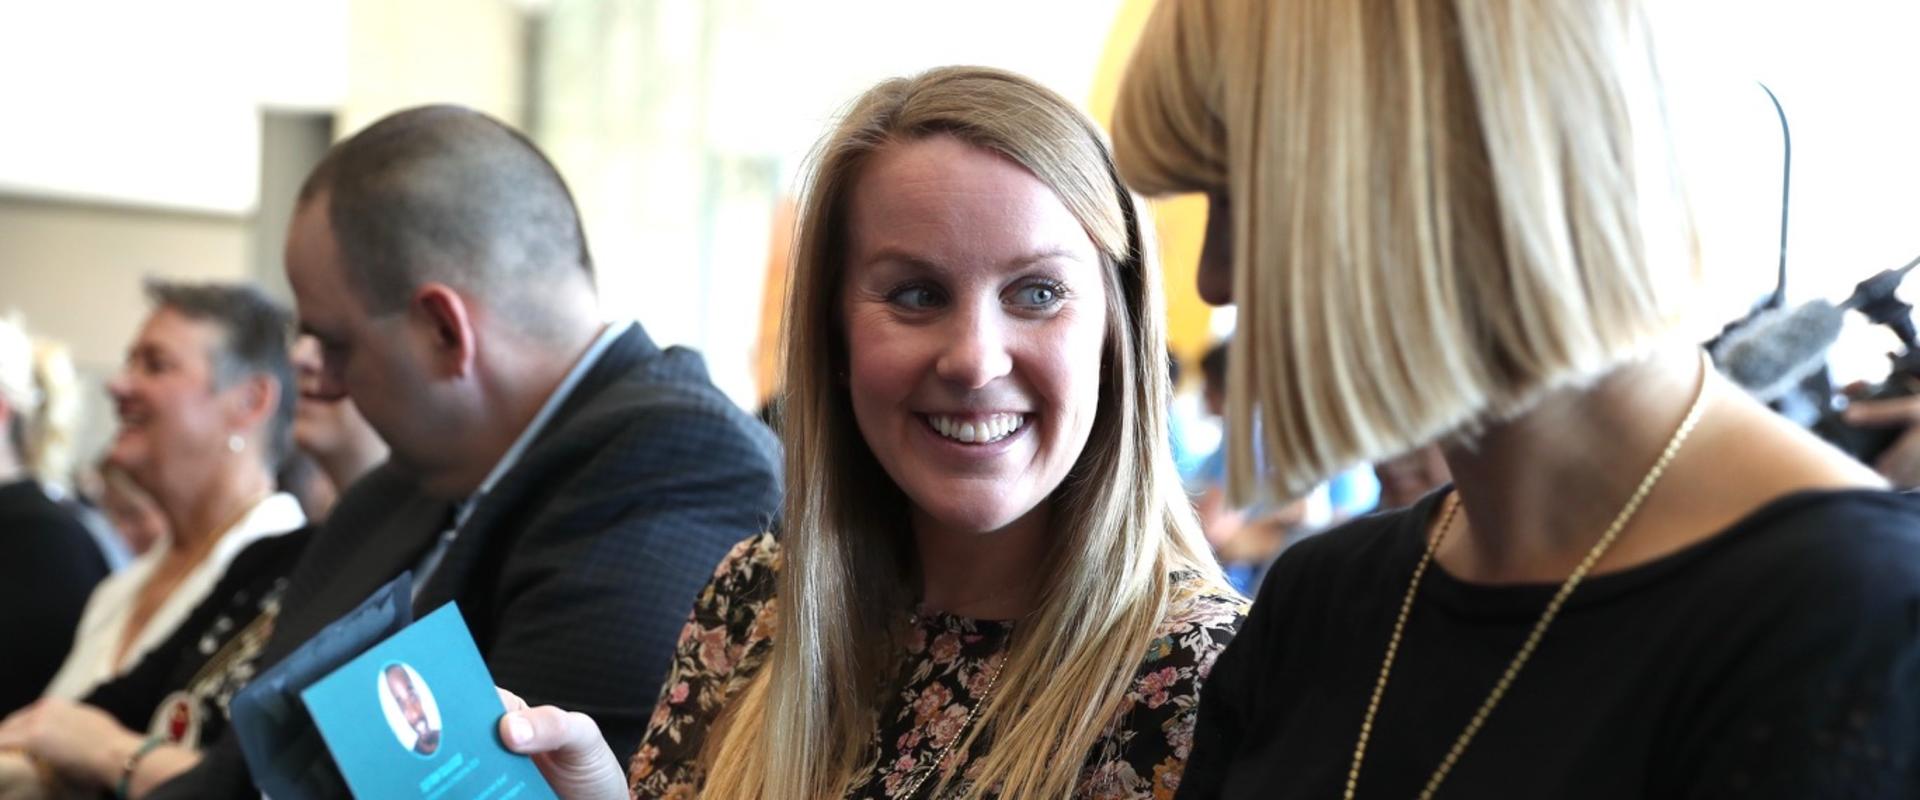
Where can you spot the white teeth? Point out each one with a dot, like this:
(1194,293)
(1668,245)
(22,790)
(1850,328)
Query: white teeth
(992,429)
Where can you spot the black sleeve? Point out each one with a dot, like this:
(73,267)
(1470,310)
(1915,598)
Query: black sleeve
(222,772)
(47,571)
(1230,699)
(1825,700)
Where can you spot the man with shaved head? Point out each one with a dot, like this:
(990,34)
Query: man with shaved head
(568,482)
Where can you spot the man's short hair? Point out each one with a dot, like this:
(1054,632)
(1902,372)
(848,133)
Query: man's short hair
(447,194)
(253,341)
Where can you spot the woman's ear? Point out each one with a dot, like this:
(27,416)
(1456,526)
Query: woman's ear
(252,401)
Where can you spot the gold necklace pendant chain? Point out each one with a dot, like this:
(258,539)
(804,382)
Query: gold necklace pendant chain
(965,725)
(1500,688)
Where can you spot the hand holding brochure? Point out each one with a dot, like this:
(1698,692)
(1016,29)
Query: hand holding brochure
(417,718)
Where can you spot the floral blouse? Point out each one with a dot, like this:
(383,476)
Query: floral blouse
(952,661)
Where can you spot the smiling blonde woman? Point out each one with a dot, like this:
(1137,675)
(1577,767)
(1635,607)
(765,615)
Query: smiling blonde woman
(989,581)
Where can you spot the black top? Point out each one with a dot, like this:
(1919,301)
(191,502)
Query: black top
(1777,659)
(180,688)
(48,568)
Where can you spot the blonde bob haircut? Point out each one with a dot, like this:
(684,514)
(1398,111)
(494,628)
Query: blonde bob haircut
(1122,525)
(1442,209)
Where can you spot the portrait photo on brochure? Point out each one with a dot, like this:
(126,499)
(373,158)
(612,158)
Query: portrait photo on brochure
(410,708)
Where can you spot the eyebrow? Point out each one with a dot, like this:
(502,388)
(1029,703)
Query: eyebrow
(902,257)
(905,258)
(148,349)
(1049,254)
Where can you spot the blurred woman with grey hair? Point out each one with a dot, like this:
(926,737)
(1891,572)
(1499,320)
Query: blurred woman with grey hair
(205,407)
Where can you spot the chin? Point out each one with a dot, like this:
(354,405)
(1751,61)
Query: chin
(126,454)
(307,440)
(975,518)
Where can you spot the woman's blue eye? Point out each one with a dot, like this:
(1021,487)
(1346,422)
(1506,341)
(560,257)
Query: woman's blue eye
(1037,295)
(915,297)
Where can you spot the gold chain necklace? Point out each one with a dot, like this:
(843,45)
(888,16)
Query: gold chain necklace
(960,734)
(1539,628)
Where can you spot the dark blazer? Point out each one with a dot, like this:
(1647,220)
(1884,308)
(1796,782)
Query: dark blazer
(576,572)
(48,568)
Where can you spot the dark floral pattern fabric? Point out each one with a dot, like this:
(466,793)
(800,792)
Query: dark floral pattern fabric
(948,665)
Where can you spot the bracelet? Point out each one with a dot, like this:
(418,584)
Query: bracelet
(133,762)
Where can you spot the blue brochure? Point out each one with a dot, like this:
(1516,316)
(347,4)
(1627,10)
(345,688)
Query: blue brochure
(417,717)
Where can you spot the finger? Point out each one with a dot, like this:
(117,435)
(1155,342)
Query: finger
(24,717)
(1886,413)
(547,729)
(16,738)
(510,700)
(17,729)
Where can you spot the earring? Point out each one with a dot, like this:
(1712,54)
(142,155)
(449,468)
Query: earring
(236,443)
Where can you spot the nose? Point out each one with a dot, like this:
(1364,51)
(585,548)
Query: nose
(975,353)
(119,387)
(327,382)
(1215,276)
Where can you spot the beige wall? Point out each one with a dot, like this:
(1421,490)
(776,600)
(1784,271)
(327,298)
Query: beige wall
(73,271)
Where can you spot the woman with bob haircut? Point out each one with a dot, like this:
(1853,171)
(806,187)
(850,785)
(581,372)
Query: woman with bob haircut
(1461,222)
(988,581)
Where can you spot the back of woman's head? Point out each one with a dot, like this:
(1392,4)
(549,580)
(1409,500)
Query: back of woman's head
(50,438)
(1442,210)
(17,388)
(1120,522)
(38,384)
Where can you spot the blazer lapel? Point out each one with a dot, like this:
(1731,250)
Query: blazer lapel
(355,562)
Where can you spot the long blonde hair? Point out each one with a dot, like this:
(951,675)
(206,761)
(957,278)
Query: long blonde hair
(1122,523)
(1442,210)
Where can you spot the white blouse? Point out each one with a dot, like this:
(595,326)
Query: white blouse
(102,626)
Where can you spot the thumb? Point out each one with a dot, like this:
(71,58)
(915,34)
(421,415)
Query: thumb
(568,749)
(547,729)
